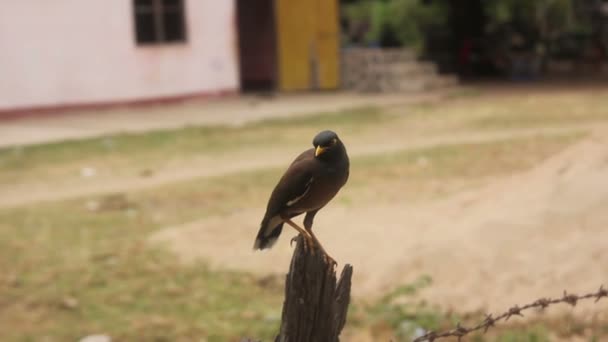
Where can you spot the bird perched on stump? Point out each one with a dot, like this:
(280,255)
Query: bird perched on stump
(310,182)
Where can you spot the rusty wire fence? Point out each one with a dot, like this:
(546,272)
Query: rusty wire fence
(460,331)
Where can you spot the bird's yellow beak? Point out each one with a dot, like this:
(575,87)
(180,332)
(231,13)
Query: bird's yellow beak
(319,150)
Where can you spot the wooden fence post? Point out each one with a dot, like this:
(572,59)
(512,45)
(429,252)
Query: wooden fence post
(316,303)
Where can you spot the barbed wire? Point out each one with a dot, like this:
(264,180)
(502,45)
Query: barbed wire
(460,331)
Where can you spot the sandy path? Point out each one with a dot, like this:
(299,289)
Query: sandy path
(530,235)
(23,193)
(229,111)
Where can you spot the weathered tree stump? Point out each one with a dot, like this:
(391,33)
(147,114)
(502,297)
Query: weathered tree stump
(316,303)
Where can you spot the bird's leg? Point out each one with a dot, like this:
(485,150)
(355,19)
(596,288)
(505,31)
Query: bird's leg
(327,257)
(308,219)
(308,240)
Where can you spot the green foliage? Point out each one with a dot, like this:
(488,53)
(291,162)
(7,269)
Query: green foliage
(379,21)
(358,11)
(410,19)
(407,19)
(548,17)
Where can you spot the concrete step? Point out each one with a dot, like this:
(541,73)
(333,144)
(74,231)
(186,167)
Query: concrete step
(404,69)
(410,84)
(368,55)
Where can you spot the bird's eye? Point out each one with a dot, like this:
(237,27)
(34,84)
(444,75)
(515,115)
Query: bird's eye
(334,141)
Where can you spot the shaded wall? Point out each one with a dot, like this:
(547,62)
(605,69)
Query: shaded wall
(257,43)
(70,52)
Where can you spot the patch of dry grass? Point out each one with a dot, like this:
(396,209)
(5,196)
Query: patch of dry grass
(69,272)
(527,110)
(127,155)
(82,266)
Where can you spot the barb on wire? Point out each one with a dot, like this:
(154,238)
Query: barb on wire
(460,331)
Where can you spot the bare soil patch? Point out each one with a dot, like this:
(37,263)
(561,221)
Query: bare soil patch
(518,238)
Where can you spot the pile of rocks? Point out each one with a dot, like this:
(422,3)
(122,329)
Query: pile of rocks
(389,70)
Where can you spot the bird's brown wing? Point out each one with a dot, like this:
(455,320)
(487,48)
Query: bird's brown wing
(294,184)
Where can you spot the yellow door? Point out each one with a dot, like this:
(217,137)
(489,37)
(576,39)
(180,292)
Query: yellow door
(327,43)
(307,44)
(293,30)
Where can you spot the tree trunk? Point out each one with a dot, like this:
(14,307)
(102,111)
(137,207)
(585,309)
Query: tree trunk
(316,303)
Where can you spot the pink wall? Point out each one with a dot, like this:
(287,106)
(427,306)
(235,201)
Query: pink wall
(69,52)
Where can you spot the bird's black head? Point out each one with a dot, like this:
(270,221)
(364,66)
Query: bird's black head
(326,143)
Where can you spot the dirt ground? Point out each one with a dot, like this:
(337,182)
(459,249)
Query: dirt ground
(510,241)
(517,239)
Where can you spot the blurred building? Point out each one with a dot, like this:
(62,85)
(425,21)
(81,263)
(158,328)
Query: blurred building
(71,53)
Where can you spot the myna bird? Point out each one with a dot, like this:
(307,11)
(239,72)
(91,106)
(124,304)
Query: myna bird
(310,182)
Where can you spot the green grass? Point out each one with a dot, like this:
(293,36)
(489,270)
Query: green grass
(544,329)
(561,111)
(207,139)
(69,272)
(58,254)
(121,152)
(402,318)
(532,333)
(399,316)
(465,92)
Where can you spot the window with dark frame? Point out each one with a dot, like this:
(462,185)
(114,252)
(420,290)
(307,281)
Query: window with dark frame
(159,21)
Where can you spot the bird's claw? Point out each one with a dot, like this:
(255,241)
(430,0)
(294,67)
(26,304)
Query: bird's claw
(329,260)
(308,244)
